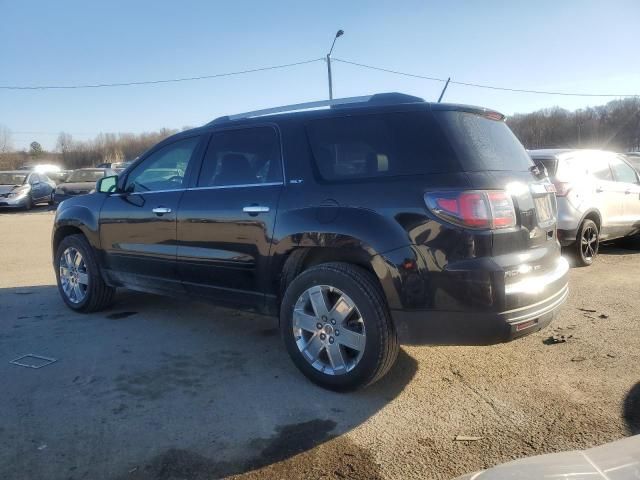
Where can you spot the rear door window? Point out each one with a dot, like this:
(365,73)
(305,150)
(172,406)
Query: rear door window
(247,156)
(601,170)
(379,145)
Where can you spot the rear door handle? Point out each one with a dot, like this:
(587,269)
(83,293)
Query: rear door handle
(599,189)
(255,209)
(161,210)
(627,191)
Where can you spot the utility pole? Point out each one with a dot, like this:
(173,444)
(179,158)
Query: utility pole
(339,33)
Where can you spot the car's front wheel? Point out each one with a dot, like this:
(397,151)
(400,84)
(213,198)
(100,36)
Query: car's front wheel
(587,243)
(336,327)
(77,273)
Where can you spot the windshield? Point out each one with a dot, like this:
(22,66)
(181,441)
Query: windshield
(10,178)
(483,144)
(85,176)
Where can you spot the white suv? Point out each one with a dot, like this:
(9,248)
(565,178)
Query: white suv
(598,195)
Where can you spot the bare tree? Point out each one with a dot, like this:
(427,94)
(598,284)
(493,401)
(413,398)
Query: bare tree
(614,126)
(6,144)
(64,143)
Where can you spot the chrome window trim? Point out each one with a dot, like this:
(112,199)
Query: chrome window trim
(124,194)
(244,185)
(215,187)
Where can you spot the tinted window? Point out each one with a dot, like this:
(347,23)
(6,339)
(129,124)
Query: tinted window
(551,164)
(365,146)
(163,169)
(482,143)
(623,172)
(246,156)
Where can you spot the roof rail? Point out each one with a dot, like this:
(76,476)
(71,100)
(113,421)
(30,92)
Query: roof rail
(376,99)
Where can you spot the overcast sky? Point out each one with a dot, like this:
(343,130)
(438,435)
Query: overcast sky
(574,46)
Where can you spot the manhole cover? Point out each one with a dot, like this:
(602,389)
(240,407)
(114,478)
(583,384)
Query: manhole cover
(33,361)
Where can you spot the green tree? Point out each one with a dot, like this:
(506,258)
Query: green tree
(35,149)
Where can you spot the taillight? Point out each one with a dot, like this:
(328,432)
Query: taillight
(479,209)
(562,188)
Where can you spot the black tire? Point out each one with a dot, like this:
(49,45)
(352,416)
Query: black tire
(585,253)
(51,201)
(381,342)
(98,294)
(29,205)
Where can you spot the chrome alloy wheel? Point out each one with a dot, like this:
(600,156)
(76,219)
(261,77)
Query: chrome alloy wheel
(589,243)
(74,277)
(329,330)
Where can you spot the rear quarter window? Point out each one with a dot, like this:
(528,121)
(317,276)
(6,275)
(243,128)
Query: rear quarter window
(379,145)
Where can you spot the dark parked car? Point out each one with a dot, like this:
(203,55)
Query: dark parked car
(24,189)
(80,182)
(59,177)
(379,220)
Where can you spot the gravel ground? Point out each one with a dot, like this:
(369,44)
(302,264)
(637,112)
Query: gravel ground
(156,389)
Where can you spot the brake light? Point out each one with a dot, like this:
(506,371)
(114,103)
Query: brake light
(478,209)
(562,188)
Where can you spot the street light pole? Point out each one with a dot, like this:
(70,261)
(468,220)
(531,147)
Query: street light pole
(339,33)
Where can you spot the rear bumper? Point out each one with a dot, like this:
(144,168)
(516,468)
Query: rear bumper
(567,237)
(547,293)
(424,327)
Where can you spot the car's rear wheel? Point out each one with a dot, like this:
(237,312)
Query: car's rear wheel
(336,327)
(587,243)
(79,281)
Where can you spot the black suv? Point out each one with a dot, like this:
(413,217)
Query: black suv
(378,220)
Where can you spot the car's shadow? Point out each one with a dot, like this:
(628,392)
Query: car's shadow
(614,248)
(35,209)
(163,388)
(631,410)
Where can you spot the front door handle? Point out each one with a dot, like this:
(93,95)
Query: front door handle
(161,210)
(599,189)
(255,209)
(627,191)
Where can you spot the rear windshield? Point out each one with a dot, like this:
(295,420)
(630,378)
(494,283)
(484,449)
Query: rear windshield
(412,143)
(551,164)
(483,144)
(379,145)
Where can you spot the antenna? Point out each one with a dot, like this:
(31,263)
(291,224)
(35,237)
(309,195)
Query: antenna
(444,89)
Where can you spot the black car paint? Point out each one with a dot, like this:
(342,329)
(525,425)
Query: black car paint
(443,283)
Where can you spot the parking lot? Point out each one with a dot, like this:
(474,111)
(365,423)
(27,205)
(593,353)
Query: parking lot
(157,388)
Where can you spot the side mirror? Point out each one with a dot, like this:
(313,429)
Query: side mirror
(107,184)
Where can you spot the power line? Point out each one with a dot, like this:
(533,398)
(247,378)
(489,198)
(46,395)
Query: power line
(287,65)
(479,85)
(155,82)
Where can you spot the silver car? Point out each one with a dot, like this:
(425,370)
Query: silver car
(598,196)
(23,189)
